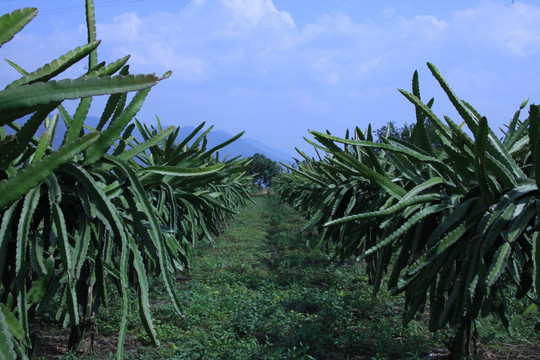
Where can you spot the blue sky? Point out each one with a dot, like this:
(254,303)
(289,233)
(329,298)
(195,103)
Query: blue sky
(277,68)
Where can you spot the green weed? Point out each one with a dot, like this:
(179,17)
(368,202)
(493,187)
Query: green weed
(260,293)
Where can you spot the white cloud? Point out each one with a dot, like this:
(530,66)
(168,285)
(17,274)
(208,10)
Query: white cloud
(515,28)
(366,66)
(339,24)
(249,40)
(439,24)
(211,37)
(124,29)
(252,12)
(200,38)
(156,42)
(422,28)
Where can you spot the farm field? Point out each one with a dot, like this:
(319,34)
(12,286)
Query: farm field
(124,239)
(260,294)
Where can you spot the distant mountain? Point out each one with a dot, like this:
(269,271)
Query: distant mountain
(244,147)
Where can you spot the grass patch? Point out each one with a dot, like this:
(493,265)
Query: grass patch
(260,293)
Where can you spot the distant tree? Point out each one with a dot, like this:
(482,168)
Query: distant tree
(391,130)
(405,132)
(263,170)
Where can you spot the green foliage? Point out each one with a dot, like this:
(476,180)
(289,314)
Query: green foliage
(453,227)
(20,183)
(260,294)
(263,170)
(105,208)
(12,23)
